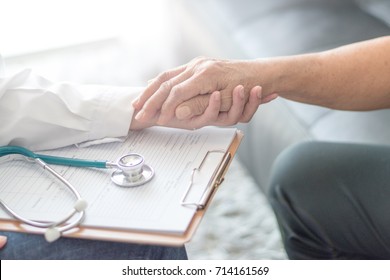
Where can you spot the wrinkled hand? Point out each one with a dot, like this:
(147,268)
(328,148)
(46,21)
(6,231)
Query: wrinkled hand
(198,104)
(241,109)
(198,80)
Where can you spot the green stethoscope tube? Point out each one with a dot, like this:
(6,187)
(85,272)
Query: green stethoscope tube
(7,150)
(53,229)
(132,172)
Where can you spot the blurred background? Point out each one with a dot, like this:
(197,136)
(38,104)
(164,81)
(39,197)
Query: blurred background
(126,43)
(137,36)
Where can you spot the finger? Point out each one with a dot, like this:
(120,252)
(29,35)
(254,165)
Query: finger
(137,125)
(238,103)
(207,118)
(154,85)
(156,101)
(192,107)
(255,99)
(235,113)
(193,86)
(198,104)
(226,100)
(3,241)
(210,115)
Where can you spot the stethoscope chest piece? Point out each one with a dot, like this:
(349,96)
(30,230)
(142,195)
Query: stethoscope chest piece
(132,171)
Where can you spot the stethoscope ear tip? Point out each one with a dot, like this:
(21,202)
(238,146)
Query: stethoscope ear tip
(52,234)
(80,205)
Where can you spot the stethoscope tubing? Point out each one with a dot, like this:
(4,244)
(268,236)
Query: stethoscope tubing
(125,178)
(53,229)
(6,150)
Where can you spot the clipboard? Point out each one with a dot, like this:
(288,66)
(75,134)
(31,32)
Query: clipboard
(151,237)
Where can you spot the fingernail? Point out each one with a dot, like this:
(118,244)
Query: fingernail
(183,112)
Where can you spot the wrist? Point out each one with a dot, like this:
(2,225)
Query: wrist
(287,76)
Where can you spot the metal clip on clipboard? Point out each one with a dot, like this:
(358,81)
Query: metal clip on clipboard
(216,180)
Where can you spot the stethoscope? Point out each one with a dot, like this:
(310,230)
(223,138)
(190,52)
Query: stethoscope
(130,171)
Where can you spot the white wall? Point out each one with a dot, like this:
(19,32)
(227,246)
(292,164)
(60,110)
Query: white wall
(106,41)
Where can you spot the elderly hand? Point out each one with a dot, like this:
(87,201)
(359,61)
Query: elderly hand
(209,111)
(199,78)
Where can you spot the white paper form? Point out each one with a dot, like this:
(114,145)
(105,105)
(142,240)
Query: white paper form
(155,206)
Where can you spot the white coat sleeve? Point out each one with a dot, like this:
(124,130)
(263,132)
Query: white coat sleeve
(39,114)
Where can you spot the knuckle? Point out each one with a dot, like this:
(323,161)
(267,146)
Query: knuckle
(175,91)
(202,62)
(174,98)
(166,86)
(203,71)
(163,77)
(199,59)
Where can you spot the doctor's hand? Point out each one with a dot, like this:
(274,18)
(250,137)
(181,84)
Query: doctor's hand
(207,110)
(197,79)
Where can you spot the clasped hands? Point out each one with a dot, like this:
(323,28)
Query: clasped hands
(203,92)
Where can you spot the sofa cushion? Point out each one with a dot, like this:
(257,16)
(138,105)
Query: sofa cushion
(379,9)
(306,27)
(358,127)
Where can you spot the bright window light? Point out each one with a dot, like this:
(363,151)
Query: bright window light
(31,26)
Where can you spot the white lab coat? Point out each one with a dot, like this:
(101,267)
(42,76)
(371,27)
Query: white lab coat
(39,114)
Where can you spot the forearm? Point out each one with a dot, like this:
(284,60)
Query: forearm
(353,77)
(41,114)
